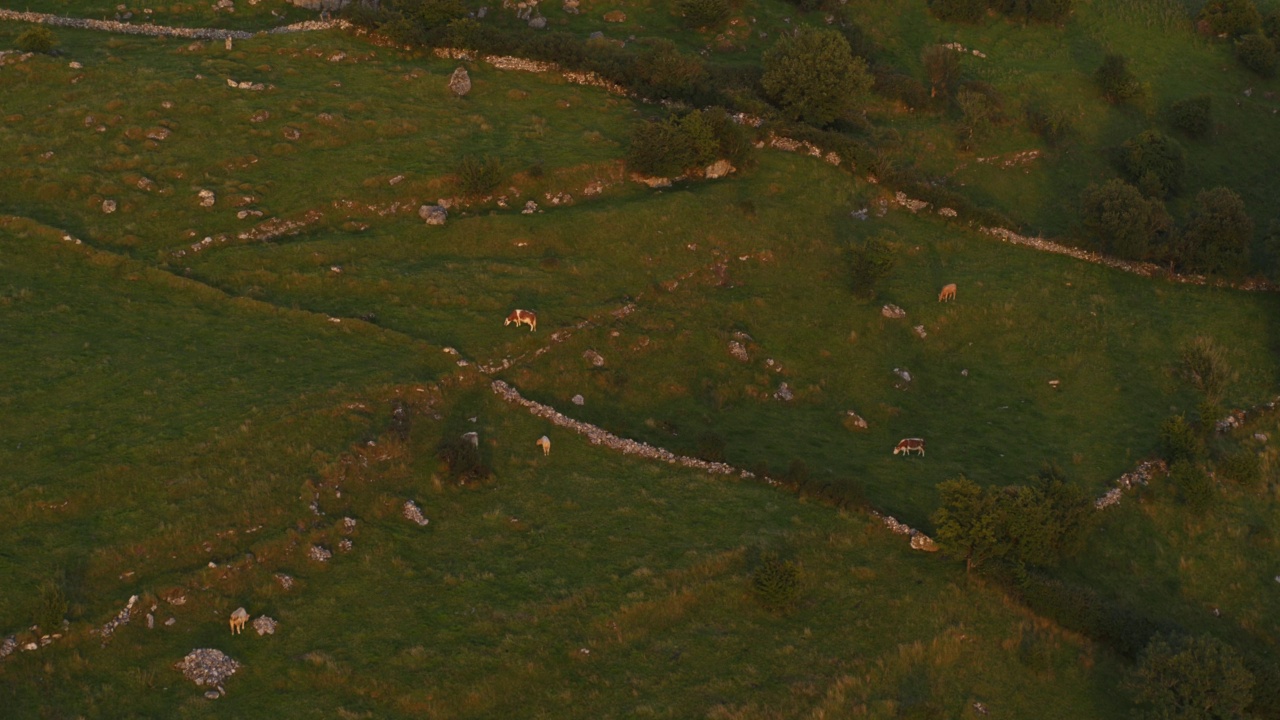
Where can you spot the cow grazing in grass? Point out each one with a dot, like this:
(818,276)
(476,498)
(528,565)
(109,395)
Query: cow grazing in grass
(523,317)
(238,619)
(948,293)
(906,446)
(544,442)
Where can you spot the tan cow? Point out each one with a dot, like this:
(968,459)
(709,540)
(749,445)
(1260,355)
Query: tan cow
(238,619)
(523,317)
(544,442)
(948,293)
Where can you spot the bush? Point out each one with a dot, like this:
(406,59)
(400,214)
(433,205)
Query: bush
(1242,467)
(1117,83)
(1193,116)
(1049,11)
(776,584)
(1258,53)
(870,262)
(670,147)
(1052,123)
(1232,18)
(1194,486)
(967,11)
(1191,679)
(813,76)
(1203,363)
(1155,163)
(903,88)
(479,175)
(711,447)
(664,72)
(1125,223)
(1178,440)
(37,39)
(980,105)
(1271,25)
(1218,234)
(463,460)
(942,69)
(702,13)
(52,608)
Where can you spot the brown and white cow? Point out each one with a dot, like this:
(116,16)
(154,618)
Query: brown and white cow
(906,446)
(948,293)
(523,317)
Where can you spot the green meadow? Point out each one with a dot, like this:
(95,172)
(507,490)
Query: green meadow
(195,395)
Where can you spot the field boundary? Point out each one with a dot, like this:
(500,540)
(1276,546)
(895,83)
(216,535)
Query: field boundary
(124,28)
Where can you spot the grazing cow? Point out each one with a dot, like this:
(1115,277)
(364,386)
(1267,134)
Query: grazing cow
(948,293)
(906,446)
(238,619)
(544,442)
(525,317)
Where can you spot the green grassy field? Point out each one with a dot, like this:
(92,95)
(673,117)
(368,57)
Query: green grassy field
(183,420)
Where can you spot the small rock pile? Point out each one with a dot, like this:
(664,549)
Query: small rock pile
(893,312)
(286,582)
(738,351)
(319,554)
(593,357)
(433,214)
(207,667)
(414,513)
(121,618)
(919,541)
(265,625)
(460,82)
(7,646)
(1140,476)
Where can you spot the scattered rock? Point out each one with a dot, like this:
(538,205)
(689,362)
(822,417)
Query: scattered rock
(472,437)
(433,214)
(212,694)
(1260,437)
(206,666)
(9,644)
(854,421)
(977,706)
(265,625)
(653,182)
(414,513)
(286,582)
(784,393)
(75,65)
(859,214)
(903,374)
(537,22)
(964,372)
(121,618)
(615,16)
(207,198)
(893,312)
(920,331)
(319,554)
(108,206)
(570,7)
(260,116)
(348,524)
(170,621)
(345,545)
(594,358)
(578,400)
(460,82)
(719,169)
(738,351)
(158,134)
(151,621)
(530,208)
(920,541)
(597,35)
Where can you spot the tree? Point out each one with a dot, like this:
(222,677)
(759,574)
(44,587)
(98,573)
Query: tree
(1258,53)
(1117,82)
(970,11)
(1178,440)
(942,67)
(1232,18)
(813,76)
(870,262)
(37,39)
(1198,678)
(967,525)
(1193,116)
(667,71)
(1218,234)
(1203,364)
(1155,163)
(1125,223)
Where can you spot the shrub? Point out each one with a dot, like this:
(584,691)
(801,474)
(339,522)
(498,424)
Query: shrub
(1191,678)
(1242,467)
(479,175)
(711,447)
(776,584)
(968,11)
(1155,163)
(1203,363)
(665,72)
(1218,234)
(942,68)
(903,88)
(1193,116)
(1050,11)
(813,76)
(1271,25)
(1051,122)
(462,460)
(870,262)
(1232,18)
(37,39)
(52,608)
(1258,53)
(1045,521)
(659,149)
(732,141)
(1194,486)
(1114,78)
(702,13)
(1125,223)
(429,14)
(967,523)
(980,105)
(1178,440)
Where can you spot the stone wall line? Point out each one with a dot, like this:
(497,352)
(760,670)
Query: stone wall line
(125,28)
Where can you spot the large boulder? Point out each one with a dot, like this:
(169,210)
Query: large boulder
(460,82)
(433,214)
(719,169)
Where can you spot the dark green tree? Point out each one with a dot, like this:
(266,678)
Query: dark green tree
(967,523)
(813,76)
(37,39)
(870,262)
(1193,116)
(1117,82)
(1258,53)
(1218,234)
(1232,18)
(967,11)
(1198,678)
(1125,223)
(1155,163)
